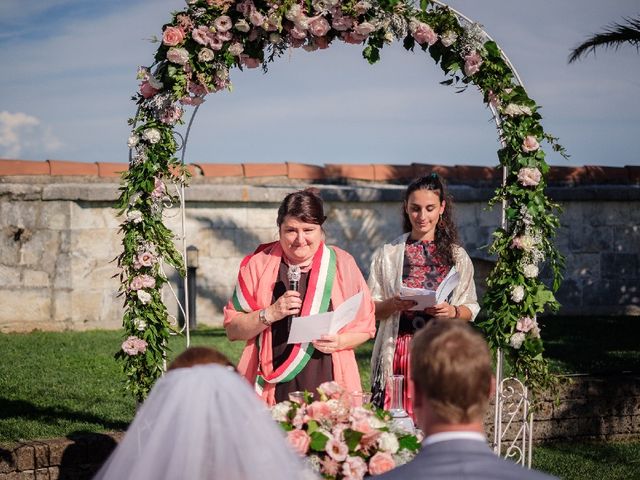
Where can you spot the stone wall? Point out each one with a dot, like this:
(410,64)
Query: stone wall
(585,408)
(59,236)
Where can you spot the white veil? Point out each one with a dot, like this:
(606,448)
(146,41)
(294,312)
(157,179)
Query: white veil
(203,422)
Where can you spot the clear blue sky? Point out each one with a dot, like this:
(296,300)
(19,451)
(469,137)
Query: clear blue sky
(69,71)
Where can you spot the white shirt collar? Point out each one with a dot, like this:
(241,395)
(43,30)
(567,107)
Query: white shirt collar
(445,436)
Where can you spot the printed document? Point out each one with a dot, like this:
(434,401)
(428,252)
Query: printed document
(312,327)
(425,298)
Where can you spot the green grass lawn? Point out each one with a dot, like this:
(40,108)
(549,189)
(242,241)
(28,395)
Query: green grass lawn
(59,384)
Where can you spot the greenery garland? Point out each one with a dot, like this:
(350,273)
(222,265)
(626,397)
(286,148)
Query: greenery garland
(208,38)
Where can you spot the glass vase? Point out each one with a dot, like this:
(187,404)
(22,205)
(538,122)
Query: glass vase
(396,393)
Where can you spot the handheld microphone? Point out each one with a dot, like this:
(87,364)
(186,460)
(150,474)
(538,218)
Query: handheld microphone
(294,277)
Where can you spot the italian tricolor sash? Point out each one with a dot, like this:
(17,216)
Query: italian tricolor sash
(316,300)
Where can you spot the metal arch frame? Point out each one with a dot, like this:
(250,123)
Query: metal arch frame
(508,400)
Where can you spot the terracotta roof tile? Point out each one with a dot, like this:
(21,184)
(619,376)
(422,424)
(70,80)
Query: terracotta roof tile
(305,172)
(221,169)
(23,167)
(62,167)
(385,173)
(356,172)
(633,174)
(106,169)
(567,175)
(607,175)
(264,169)
(474,175)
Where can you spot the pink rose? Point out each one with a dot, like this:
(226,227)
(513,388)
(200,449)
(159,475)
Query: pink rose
(341,23)
(134,345)
(178,55)
(215,42)
(256,18)
(136,283)
(319,410)
(147,90)
(145,259)
(249,62)
(319,26)
(236,49)
(525,324)
(298,33)
(365,28)
(423,33)
(224,36)
(223,23)
(142,281)
(362,426)
(529,176)
(337,449)
(299,440)
(329,466)
(530,144)
(472,63)
(353,38)
(354,468)
(141,345)
(245,7)
(172,36)
(380,463)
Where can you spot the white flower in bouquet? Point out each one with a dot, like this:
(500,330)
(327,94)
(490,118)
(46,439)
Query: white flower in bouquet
(151,135)
(133,140)
(134,216)
(530,270)
(525,324)
(448,38)
(139,324)
(516,340)
(354,467)
(517,293)
(514,110)
(280,410)
(144,297)
(388,442)
(535,329)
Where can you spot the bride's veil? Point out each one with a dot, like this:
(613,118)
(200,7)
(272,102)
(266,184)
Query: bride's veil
(203,422)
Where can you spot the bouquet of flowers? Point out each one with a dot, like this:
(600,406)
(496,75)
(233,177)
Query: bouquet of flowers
(341,440)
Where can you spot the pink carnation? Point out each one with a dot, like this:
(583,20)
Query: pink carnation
(530,144)
(178,55)
(172,36)
(299,440)
(337,449)
(529,176)
(472,63)
(329,466)
(147,90)
(201,35)
(354,468)
(380,463)
(134,345)
(223,23)
(525,324)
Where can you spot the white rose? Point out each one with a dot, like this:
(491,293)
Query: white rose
(151,135)
(294,12)
(375,422)
(530,270)
(448,38)
(139,324)
(516,340)
(134,216)
(242,26)
(205,55)
(275,38)
(388,443)
(154,82)
(535,330)
(513,110)
(133,140)
(517,293)
(144,297)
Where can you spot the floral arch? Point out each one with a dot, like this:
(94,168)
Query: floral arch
(209,38)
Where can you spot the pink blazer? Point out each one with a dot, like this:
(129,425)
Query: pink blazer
(259,273)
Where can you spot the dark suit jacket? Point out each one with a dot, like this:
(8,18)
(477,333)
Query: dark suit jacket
(461,459)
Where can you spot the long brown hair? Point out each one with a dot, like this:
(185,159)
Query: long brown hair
(446,235)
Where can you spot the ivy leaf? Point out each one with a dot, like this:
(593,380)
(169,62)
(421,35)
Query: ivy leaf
(371,54)
(318,441)
(352,438)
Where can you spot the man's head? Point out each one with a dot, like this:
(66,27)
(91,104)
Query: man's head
(451,370)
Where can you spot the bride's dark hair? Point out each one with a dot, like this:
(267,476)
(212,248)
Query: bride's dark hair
(446,235)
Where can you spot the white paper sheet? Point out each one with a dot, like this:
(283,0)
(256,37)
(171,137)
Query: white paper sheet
(312,327)
(425,298)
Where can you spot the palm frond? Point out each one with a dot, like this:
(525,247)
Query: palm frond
(613,36)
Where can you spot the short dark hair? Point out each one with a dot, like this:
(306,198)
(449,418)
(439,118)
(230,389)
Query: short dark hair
(199,356)
(451,368)
(305,205)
